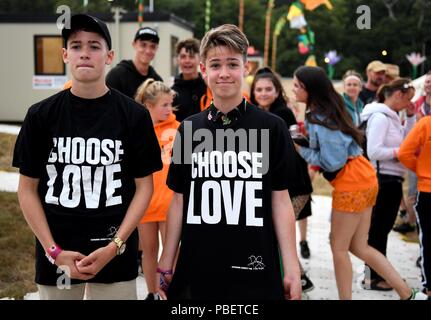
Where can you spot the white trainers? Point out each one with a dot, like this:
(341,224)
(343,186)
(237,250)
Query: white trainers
(417,295)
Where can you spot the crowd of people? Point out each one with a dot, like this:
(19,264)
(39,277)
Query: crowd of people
(111,163)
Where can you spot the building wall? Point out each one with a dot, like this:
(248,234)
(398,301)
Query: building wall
(18,67)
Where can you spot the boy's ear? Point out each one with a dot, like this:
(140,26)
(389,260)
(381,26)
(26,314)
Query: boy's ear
(109,57)
(64,55)
(203,70)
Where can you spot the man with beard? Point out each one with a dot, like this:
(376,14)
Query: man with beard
(376,71)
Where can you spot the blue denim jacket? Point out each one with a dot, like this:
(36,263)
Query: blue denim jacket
(329,149)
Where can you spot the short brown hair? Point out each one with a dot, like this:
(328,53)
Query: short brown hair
(191,45)
(227,35)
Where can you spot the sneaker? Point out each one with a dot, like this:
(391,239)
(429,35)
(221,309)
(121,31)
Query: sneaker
(404,228)
(306,283)
(417,295)
(152,296)
(305,250)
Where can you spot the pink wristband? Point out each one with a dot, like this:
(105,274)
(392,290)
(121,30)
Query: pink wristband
(164,272)
(53,253)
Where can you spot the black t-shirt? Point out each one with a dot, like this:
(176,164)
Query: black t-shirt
(126,78)
(228,243)
(189,93)
(302,185)
(366,95)
(87,153)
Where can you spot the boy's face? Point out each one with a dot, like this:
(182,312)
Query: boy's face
(145,50)
(87,54)
(224,71)
(188,62)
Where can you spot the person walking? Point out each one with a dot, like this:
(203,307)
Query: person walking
(335,148)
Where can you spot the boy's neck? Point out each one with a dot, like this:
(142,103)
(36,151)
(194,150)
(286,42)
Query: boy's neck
(226,105)
(88,91)
(142,68)
(191,76)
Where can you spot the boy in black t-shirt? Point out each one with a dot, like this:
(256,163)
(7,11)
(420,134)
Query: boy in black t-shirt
(128,75)
(189,84)
(231,169)
(86,157)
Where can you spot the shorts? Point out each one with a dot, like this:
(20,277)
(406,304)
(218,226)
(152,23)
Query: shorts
(306,211)
(354,201)
(298,203)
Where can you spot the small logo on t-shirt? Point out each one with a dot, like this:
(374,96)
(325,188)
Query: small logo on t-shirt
(254,263)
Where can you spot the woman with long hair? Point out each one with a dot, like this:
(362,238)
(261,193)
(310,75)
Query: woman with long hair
(267,93)
(335,147)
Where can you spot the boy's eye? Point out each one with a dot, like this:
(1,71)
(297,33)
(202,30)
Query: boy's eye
(214,66)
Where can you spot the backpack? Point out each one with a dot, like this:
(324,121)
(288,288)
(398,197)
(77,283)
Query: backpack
(363,128)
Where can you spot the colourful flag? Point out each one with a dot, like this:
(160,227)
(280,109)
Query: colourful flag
(313,4)
(140,12)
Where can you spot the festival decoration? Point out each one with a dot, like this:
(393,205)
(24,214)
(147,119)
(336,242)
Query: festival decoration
(331,59)
(415,60)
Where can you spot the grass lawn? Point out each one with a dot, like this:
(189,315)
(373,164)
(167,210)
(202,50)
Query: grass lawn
(16,250)
(7,143)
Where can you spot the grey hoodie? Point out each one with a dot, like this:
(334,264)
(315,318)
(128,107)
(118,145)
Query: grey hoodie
(384,136)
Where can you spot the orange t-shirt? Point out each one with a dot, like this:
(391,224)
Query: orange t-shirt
(162,195)
(415,153)
(68,84)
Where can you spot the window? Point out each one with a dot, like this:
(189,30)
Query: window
(48,57)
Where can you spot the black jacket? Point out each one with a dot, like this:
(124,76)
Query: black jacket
(126,78)
(189,93)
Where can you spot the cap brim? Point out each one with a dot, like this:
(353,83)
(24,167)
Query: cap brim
(149,37)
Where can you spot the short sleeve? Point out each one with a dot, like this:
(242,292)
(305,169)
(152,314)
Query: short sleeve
(176,175)
(32,146)
(145,154)
(282,158)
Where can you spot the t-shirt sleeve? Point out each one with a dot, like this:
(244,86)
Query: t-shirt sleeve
(31,147)
(176,175)
(282,158)
(146,155)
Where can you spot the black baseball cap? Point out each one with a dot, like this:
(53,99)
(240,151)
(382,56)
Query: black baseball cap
(147,33)
(86,22)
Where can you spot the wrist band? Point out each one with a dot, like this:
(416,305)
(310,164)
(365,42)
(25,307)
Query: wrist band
(164,272)
(53,253)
